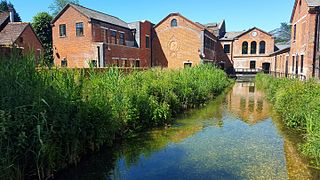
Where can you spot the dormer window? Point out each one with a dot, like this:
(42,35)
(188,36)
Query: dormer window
(174,23)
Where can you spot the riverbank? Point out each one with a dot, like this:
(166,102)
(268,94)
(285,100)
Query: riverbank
(49,119)
(298,104)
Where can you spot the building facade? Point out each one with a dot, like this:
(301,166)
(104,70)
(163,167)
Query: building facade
(19,36)
(304,55)
(84,37)
(249,49)
(280,61)
(179,42)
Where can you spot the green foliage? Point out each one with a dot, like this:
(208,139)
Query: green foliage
(58,5)
(298,103)
(5,5)
(49,119)
(41,24)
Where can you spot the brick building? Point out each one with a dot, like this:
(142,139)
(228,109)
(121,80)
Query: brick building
(280,60)
(18,35)
(83,37)
(179,42)
(249,49)
(304,55)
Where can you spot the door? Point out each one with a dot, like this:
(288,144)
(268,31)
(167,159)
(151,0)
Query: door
(266,68)
(287,67)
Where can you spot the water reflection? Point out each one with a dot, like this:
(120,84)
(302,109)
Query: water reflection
(234,137)
(248,104)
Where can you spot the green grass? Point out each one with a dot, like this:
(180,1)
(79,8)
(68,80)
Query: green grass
(49,119)
(298,103)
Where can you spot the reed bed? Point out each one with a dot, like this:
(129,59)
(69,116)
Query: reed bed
(298,103)
(50,119)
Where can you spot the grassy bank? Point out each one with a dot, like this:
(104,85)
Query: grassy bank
(49,119)
(298,103)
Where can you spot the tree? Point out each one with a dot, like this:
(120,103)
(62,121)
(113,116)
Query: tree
(41,24)
(283,33)
(4,6)
(58,5)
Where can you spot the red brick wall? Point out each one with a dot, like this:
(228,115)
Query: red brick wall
(30,42)
(305,38)
(127,56)
(243,60)
(77,50)
(172,46)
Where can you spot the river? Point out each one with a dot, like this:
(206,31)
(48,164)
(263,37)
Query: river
(236,136)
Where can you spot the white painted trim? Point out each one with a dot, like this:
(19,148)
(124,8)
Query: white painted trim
(303,17)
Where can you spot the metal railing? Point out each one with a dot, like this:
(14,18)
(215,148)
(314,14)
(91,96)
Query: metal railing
(301,77)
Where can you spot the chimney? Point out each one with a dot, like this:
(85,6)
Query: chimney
(11,14)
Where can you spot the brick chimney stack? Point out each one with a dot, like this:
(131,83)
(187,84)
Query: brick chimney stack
(11,11)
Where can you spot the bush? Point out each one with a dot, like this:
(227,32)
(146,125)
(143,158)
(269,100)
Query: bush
(49,119)
(298,103)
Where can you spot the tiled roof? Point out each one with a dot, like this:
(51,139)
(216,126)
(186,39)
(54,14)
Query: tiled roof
(313,3)
(3,17)
(93,14)
(280,48)
(229,36)
(11,32)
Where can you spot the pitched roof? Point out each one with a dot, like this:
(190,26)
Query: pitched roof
(11,32)
(3,17)
(311,3)
(93,14)
(229,36)
(245,32)
(200,26)
(281,48)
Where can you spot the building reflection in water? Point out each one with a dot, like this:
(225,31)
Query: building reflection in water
(248,104)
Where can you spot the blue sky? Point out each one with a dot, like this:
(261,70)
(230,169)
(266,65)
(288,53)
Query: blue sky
(239,14)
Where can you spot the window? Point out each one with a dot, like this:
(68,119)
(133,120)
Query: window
(262,47)
(226,48)
(301,64)
(94,63)
(293,59)
(252,64)
(64,62)
(121,39)
(174,23)
(253,48)
(187,64)
(147,42)
(245,47)
(63,30)
(79,29)
(294,32)
(137,63)
(114,37)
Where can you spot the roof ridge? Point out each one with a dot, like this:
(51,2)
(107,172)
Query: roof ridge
(96,11)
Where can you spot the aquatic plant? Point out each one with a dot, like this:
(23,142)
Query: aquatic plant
(298,103)
(50,118)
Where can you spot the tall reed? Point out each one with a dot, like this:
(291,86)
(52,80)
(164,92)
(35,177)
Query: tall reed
(298,103)
(49,119)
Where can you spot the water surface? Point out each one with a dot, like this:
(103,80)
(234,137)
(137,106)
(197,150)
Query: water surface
(235,136)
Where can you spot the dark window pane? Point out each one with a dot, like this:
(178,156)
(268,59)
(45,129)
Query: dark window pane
(147,42)
(253,47)
(245,47)
(62,30)
(262,47)
(226,48)
(79,29)
(174,23)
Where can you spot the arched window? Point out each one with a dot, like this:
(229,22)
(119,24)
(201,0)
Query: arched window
(174,23)
(262,47)
(245,47)
(253,47)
